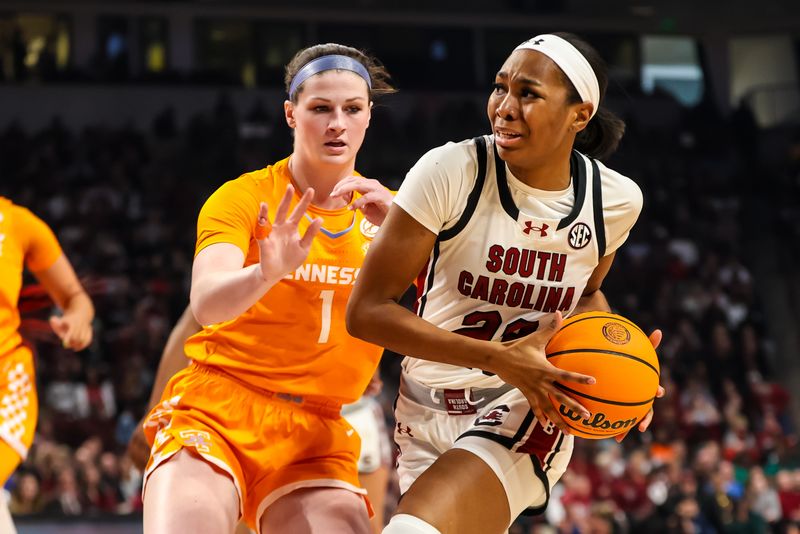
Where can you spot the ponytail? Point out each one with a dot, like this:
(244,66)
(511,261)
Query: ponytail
(601,136)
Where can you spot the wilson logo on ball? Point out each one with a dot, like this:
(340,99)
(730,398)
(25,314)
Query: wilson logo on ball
(598,421)
(616,333)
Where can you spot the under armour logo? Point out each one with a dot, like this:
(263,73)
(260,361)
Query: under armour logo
(406,430)
(529,227)
(538,41)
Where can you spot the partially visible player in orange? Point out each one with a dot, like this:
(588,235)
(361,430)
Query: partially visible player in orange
(253,427)
(27,241)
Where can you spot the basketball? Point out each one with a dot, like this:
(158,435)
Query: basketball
(623,361)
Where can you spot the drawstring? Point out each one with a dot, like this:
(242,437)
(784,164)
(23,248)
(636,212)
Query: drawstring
(468,395)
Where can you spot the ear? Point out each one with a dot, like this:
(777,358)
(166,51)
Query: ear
(369,113)
(288,111)
(583,113)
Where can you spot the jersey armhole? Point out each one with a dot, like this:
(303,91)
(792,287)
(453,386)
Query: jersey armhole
(474,195)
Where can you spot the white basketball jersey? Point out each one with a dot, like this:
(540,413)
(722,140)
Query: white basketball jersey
(496,271)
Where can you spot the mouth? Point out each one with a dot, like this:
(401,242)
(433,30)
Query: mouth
(506,138)
(336,144)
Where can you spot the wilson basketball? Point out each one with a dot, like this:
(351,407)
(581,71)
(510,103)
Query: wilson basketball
(621,358)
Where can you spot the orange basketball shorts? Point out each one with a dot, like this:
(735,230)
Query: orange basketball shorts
(19,407)
(269,443)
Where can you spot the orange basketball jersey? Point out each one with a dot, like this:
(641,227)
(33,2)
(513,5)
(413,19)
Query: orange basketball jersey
(24,240)
(294,339)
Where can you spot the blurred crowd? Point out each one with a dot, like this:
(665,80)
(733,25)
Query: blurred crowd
(721,456)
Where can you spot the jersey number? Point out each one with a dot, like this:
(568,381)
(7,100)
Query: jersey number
(326,296)
(484,325)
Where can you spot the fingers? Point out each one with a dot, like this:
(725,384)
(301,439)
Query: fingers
(555,325)
(570,403)
(311,232)
(354,183)
(537,409)
(569,376)
(545,410)
(263,226)
(283,207)
(646,421)
(302,206)
(375,197)
(660,392)
(655,338)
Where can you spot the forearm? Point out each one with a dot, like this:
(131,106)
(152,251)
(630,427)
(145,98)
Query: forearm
(224,295)
(389,325)
(173,359)
(594,301)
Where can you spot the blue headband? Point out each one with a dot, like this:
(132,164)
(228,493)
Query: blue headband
(321,64)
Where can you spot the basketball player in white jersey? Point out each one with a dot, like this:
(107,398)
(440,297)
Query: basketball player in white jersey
(507,233)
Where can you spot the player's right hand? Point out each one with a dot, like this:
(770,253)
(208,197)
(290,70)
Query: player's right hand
(138,450)
(282,249)
(525,366)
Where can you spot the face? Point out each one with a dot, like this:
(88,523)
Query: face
(529,110)
(330,117)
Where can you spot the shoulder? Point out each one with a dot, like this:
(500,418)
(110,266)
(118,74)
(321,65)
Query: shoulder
(450,157)
(619,191)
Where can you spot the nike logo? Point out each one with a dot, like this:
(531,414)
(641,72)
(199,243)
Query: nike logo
(350,432)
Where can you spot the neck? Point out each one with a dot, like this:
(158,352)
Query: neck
(323,178)
(550,175)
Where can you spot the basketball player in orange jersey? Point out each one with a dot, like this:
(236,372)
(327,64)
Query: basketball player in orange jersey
(253,427)
(27,241)
(506,232)
(365,415)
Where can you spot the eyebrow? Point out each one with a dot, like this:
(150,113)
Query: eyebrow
(521,79)
(353,99)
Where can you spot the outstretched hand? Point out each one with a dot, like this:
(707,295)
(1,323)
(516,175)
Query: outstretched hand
(655,340)
(527,369)
(281,247)
(374,200)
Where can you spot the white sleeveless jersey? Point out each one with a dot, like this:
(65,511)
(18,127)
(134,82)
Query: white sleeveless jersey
(504,262)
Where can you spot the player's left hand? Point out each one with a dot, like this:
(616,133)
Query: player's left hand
(655,339)
(374,201)
(138,449)
(75,332)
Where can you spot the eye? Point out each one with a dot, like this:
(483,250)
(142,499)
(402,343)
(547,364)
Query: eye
(353,109)
(498,88)
(320,109)
(528,93)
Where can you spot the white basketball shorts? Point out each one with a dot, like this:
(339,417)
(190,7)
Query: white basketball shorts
(495,424)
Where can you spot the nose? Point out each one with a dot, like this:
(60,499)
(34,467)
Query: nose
(508,108)
(336,121)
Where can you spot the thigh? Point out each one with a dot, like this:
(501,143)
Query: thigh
(9,461)
(317,511)
(375,483)
(458,494)
(188,494)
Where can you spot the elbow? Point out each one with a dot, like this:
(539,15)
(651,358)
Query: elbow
(197,308)
(355,318)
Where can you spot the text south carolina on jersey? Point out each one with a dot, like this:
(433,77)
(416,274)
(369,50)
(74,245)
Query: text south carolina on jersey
(520,263)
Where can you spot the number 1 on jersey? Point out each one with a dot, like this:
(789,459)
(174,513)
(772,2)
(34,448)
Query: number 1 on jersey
(327,305)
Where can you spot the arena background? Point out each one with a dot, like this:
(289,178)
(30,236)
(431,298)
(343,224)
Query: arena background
(117,119)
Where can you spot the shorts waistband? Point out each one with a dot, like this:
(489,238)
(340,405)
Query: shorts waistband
(465,401)
(318,405)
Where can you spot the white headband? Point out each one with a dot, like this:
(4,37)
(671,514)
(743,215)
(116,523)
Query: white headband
(571,61)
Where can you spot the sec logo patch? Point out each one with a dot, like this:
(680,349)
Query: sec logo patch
(368,229)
